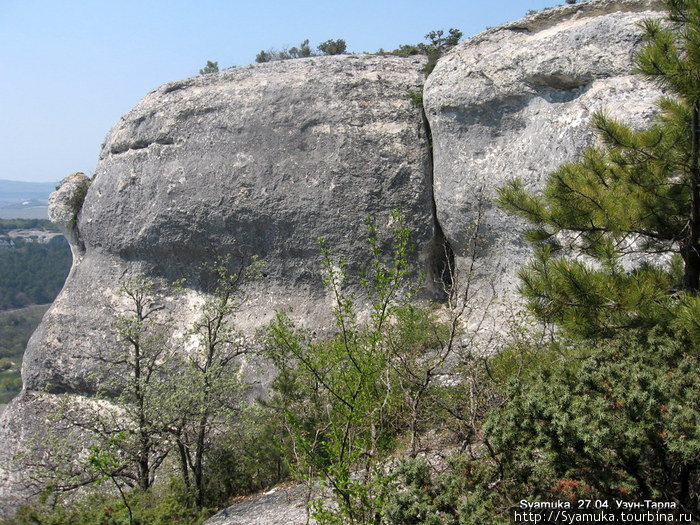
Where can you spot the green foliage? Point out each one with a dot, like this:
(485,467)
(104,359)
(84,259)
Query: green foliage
(417,498)
(125,423)
(32,273)
(27,224)
(207,395)
(303,51)
(606,406)
(438,45)
(250,455)
(10,384)
(166,504)
(164,410)
(420,494)
(16,327)
(209,68)
(416,97)
(345,399)
(264,56)
(329,47)
(609,409)
(333,47)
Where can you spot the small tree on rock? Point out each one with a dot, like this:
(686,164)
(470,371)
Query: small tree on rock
(211,67)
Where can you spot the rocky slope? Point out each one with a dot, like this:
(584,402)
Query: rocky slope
(263,160)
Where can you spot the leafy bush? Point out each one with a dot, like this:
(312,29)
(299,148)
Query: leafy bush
(622,423)
(345,399)
(249,456)
(166,504)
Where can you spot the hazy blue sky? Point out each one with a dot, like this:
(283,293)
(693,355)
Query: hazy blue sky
(70,69)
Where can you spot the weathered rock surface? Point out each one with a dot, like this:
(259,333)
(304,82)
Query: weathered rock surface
(516,101)
(255,161)
(64,207)
(279,506)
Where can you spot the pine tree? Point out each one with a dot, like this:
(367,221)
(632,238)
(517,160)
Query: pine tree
(636,193)
(209,68)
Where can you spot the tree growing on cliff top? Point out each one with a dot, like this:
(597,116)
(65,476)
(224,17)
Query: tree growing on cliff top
(438,46)
(211,67)
(332,47)
(639,192)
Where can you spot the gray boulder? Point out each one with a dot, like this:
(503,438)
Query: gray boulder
(516,101)
(258,161)
(64,207)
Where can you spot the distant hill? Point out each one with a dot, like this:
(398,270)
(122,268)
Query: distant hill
(26,200)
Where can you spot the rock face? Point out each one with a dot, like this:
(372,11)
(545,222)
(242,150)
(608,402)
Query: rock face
(263,160)
(516,101)
(255,161)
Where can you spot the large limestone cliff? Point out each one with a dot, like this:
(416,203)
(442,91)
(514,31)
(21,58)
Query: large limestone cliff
(254,161)
(263,160)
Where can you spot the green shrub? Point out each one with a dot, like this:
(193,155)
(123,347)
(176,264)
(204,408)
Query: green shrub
(416,98)
(438,45)
(346,399)
(624,423)
(250,456)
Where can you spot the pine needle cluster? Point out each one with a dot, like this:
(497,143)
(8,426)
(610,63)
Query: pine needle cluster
(617,232)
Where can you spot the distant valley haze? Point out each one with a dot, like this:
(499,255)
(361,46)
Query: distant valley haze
(24,200)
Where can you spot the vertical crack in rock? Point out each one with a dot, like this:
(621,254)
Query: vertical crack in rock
(441,259)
